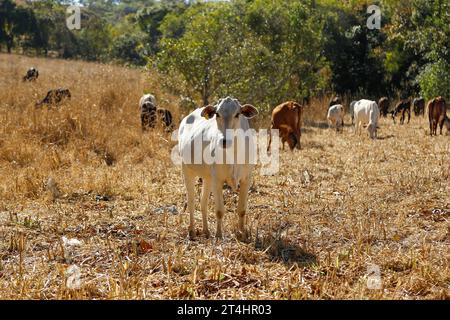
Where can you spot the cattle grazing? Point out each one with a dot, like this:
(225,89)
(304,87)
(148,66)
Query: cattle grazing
(151,115)
(335,116)
(147,108)
(31,75)
(55,97)
(165,117)
(367,112)
(383,105)
(419,106)
(287,118)
(437,109)
(207,133)
(403,107)
(352,109)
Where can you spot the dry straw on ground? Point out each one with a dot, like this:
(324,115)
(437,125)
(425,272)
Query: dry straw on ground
(85,171)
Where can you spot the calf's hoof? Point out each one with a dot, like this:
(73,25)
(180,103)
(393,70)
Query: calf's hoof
(206,233)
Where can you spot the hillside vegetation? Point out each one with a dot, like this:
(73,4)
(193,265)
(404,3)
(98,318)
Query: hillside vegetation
(263,51)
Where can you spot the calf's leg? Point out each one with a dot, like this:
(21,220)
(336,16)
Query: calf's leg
(242,205)
(189,182)
(206,191)
(219,206)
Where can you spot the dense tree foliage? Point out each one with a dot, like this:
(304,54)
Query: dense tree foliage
(258,50)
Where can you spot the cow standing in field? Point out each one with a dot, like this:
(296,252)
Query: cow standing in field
(367,112)
(55,97)
(383,105)
(437,109)
(419,106)
(335,116)
(403,107)
(352,109)
(204,136)
(287,118)
(31,75)
(150,114)
(147,108)
(165,117)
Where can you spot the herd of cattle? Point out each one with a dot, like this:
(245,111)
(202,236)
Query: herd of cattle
(211,124)
(437,109)
(287,116)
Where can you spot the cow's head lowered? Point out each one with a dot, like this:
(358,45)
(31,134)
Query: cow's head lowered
(229,114)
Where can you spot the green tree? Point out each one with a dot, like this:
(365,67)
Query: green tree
(15,22)
(434,80)
(262,51)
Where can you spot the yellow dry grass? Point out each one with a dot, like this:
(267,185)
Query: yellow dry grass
(337,206)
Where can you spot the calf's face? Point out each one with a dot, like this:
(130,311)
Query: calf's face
(228,113)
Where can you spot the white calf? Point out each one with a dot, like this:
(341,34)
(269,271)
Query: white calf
(336,116)
(367,112)
(204,136)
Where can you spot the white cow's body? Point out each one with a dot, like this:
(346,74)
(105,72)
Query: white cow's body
(204,137)
(366,112)
(336,116)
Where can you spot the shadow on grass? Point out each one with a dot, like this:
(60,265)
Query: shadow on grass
(385,137)
(280,249)
(315,124)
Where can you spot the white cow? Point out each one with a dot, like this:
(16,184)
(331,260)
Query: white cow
(367,112)
(352,110)
(204,136)
(336,116)
(147,98)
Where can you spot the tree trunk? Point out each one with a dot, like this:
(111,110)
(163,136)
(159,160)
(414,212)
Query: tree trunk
(9,44)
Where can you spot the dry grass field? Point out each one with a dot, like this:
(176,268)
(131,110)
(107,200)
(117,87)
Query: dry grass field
(338,206)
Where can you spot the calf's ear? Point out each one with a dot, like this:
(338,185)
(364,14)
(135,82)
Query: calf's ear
(249,111)
(208,112)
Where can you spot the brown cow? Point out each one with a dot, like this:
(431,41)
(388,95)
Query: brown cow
(403,107)
(287,118)
(383,105)
(55,97)
(419,106)
(437,109)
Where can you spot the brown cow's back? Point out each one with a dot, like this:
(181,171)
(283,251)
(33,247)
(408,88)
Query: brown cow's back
(287,118)
(437,109)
